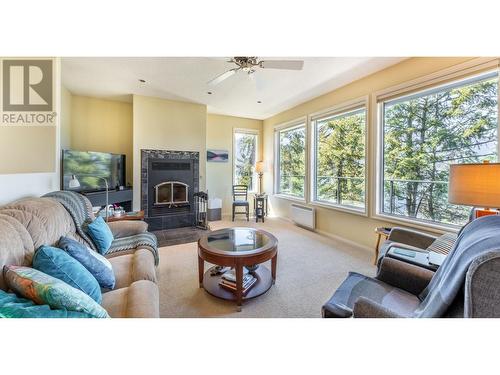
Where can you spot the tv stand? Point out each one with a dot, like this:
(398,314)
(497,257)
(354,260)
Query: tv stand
(120,197)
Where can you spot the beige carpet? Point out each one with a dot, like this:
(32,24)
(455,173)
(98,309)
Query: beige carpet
(310,267)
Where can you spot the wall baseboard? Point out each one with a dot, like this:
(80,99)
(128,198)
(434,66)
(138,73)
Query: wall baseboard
(345,240)
(332,236)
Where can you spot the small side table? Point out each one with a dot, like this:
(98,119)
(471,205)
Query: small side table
(380,231)
(139,215)
(260,206)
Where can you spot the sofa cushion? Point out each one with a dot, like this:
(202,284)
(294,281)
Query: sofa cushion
(127,228)
(95,263)
(16,245)
(139,300)
(45,289)
(45,219)
(139,265)
(59,264)
(12,306)
(356,285)
(101,234)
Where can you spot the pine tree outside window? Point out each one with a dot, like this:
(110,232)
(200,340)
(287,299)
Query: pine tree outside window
(339,159)
(423,133)
(245,157)
(291,161)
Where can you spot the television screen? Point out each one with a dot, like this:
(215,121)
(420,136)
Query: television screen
(90,167)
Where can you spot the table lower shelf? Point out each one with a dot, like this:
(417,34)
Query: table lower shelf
(261,286)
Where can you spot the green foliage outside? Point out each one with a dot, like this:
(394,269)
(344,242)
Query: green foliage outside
(340,155)
(244,166)
(423,135)
(292,161)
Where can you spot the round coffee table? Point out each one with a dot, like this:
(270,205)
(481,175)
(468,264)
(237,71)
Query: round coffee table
(237,248)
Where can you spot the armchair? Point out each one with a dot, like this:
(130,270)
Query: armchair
(466,285)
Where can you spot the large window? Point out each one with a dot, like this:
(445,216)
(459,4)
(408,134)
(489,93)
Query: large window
(339,159)
(423,134)
(244,158)
(291,157)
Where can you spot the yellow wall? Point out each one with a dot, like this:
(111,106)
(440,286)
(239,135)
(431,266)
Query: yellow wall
(29,155)
(65,116)
(220,137)
(352,227)
(162,124)
(103,126)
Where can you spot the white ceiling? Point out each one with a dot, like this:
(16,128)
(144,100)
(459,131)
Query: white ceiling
(185,79)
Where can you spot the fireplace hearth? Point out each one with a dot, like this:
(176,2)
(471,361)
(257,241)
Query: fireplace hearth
(169,180)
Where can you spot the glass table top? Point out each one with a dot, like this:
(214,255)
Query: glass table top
(237,239)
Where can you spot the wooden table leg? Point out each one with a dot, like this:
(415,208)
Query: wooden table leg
(274,263)
(376,249)
(201,270)
(239,285)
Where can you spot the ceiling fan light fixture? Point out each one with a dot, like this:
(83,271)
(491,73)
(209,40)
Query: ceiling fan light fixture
(250,64)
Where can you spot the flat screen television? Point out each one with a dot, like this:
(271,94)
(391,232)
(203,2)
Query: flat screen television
(90,167)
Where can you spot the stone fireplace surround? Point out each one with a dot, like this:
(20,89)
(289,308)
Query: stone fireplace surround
(166,217)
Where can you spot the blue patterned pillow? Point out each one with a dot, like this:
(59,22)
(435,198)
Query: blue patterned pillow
(94,262)
(44,289)
(101,234)
(59,264)
(12,306)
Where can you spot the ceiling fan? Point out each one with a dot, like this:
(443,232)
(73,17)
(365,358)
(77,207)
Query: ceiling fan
(250,64)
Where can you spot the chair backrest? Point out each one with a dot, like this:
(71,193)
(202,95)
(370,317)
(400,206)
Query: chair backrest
(240,191)
(476,239)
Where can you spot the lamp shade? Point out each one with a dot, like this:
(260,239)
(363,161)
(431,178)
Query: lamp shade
(260,167)
(73,182)
(475,185)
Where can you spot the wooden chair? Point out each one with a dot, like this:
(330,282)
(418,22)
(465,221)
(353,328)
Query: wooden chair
(240,199)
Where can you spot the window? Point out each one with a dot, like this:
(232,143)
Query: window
(423,133)
(245,156)
(339,159)
(291,160)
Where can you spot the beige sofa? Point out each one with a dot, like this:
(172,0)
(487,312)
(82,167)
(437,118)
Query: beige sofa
(29,223)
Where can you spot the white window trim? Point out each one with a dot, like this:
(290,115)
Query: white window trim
(298,122)
(339,109)
(257,155)
(469,68)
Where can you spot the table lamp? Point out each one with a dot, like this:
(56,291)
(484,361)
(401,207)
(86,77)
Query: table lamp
(475,185)
(260,169)
(74,183)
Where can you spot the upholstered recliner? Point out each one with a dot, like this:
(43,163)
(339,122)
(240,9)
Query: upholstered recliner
(466,285)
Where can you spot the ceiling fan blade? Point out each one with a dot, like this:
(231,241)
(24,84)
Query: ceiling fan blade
(282,64)
(222,77)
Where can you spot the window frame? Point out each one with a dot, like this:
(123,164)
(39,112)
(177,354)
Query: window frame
(361,103)
(255,133)
(462,72)
(299,122)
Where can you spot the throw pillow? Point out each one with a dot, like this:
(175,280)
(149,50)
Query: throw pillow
(45,289)
(59,264)
(94,262)
(12,306)
(101,234)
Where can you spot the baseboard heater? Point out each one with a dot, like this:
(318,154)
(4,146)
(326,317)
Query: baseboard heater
(303,216)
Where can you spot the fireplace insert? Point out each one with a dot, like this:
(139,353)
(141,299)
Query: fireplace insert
(171,193)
